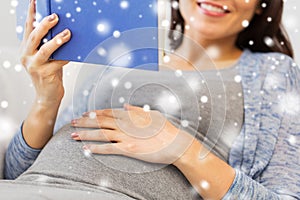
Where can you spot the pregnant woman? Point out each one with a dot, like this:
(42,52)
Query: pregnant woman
(234,137)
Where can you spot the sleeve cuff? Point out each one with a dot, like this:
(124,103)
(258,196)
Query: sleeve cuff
(19,156)
(23,143)
(244,187)
(233,189)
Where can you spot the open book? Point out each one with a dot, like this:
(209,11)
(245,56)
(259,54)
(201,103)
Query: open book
(108,32)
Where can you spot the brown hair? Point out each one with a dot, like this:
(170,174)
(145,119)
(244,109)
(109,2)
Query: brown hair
(264,27)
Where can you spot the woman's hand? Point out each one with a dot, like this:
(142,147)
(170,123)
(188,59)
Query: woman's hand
(46,74)
(148,136)
(133,132)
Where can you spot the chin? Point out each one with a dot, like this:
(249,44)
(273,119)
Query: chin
(203,32)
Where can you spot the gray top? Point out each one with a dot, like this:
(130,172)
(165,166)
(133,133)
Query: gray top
(63,163)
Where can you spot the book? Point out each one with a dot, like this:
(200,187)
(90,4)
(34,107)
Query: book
(108,32)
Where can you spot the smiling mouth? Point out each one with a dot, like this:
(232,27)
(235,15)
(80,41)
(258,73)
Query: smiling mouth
(213,8)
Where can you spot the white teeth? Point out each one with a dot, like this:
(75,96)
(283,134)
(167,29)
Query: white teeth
(212,8)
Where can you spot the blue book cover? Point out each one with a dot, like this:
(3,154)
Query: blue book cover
(109,32)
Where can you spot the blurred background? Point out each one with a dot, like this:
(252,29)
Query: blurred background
(16,90)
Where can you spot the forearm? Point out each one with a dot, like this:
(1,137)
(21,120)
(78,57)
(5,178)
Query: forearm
(209,175)
(38,126)
(214,179)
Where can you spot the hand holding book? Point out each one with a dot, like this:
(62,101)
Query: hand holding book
(46,76)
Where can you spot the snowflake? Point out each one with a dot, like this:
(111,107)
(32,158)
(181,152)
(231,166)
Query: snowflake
(116,34)
(68,15)
(103,27)
(85,93)
(104,182)
(121,100)
(4,104)
(102,52)
(292,140)
(128,85)
(204,185)
(146,108)
(6,64)
(78,9)
(178,73)
(18,67)
(166,59)
(92,115)
(14,3)
(204,99)
(245,23)
(87,153)
(269,41)
(184,123)
(115,82)
(213,52)
(238,78)
(124,4)
(19,29)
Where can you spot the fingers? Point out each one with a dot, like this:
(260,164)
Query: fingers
(31,56)
(113,113)
(29,20)
(99,122)
(47,49)
(112,148)
(135,118)
(97,135)
(35,37)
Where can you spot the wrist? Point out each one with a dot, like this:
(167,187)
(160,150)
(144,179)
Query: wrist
(190,155)
(50,98)
(39,124)
(203,168)
(44,103)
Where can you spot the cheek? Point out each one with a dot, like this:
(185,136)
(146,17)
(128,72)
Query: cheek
(185,7)
(245,19)
(246,13)
(239,22)
(247,10)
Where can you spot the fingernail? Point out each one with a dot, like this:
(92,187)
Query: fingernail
(65,33)
(51,17)
(74,134)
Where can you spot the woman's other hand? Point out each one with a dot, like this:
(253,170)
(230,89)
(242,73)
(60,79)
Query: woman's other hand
(148,136)
(133,132)
(46,74)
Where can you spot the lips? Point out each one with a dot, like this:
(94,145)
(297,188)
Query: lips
(212,8)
